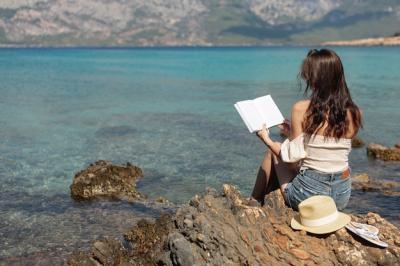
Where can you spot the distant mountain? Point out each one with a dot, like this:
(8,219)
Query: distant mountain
(193,22)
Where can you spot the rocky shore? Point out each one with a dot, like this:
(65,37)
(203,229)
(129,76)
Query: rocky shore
(102,179)
(223,228)
(384,153)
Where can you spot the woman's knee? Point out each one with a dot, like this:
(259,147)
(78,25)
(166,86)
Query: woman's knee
(266,163)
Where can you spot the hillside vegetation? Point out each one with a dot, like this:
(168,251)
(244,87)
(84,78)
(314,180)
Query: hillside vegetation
(193,22)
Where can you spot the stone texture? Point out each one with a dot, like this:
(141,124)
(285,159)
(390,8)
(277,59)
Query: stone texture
(366,184)
(102,179)
(384,153)
(361,178)
(357,142)
(227,231)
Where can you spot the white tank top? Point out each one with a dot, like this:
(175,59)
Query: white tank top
(317,152)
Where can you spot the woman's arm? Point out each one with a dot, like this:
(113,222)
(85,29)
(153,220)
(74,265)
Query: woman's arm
(296,129)
(298,111)
(274,146)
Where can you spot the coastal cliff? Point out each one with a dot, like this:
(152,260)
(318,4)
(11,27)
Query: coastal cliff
(223,228)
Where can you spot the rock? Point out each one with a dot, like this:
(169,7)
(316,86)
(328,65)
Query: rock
(104,252)
(227,231)
(356,142)
(397,146)
(105,180)
(162,200)
(146,239)
(363,178)
(300,254)
(383,152)
(365,183)
(180,250)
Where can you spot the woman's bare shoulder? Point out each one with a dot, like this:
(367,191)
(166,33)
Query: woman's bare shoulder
(299,109)
(301,106)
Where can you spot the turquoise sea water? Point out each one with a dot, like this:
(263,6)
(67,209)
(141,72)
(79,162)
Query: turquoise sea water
(169,111)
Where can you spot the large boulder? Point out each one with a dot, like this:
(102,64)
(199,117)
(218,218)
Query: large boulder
(222,228)
(383,152)
(365,183)
(102,179)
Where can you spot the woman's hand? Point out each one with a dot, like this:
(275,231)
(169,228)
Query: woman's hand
(285,128)
(263,134)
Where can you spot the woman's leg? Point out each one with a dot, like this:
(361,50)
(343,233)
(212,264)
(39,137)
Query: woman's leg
(266,180)
(285,172)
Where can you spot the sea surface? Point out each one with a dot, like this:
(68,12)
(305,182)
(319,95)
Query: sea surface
(169,111)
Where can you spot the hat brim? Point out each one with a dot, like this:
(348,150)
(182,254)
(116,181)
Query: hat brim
(340,222)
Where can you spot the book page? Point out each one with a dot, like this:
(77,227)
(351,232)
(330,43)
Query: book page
(250,115)
(271,115)
(243,117)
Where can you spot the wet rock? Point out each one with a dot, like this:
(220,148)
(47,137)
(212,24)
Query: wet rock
(102,179)
(365,183)
(361,178)
(382,152)
(397,146)
(227,231)
(357,142)
(104,252)
(162,200)
(146,239)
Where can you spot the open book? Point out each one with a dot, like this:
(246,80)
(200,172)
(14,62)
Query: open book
(258,111)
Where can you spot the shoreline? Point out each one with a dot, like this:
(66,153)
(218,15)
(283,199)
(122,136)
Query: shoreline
(370,42)
(367,42)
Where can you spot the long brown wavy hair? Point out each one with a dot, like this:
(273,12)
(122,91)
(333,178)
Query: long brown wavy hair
(323,73)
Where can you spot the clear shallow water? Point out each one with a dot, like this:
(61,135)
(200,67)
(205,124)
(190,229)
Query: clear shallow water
(169,111)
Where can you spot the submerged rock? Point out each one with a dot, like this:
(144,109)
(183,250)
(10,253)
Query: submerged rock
(357,142)
(383,152)
(220,228)
(365,183)
(102,179)
(360,178)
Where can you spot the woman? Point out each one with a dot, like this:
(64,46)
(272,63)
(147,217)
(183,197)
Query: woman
(314,159)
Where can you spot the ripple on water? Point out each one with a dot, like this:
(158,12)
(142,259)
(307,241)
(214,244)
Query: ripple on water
(173,118)
(33,223)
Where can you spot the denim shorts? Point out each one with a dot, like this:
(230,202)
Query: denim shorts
(311,182)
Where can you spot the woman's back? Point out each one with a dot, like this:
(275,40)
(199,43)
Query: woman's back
(323,153)
(326,154)
(301,108)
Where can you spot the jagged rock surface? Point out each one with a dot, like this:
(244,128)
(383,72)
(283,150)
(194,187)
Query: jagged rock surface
(102,179)
(383,152)
(223,229)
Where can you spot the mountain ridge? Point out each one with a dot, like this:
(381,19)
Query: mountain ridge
(193,22)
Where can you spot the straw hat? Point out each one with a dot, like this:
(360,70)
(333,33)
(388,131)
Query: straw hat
(318,215)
